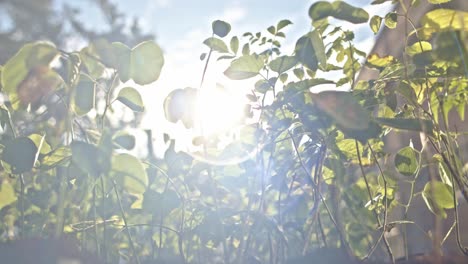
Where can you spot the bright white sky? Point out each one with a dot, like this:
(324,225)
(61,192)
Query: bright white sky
(181,26)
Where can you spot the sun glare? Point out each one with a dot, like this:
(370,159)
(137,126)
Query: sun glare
(219,110)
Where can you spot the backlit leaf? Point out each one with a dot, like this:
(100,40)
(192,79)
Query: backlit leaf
(129,173)
(282,64)
(146,62)
(124,140)
(407,161)
(443,20)
(7,194)
(375,23)
(244,67)
(391,20)
(418,47)
(438,197)
(216,44)
(131,98)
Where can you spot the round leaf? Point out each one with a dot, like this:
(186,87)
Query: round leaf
(131,98)
(407,161)
(146,62)
(310,50)
(129,173)
(438,197)
(221,28)
(20,154)
(124,140)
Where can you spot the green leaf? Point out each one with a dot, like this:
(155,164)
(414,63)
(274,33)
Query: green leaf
(124,140)
(272,30)
(246,49)
(158,203)
(282,64)
(299,73)
(244,67)
(20,154)
(216,44)
(418,47)
(407,161)
(438,197)
(129,173)
(375,61)
(42,146)
(343,108)
(283,23)
(310,51)
(421,125)
(339,10)
(375,23)
(443,20)
(391,20)
(146,62)
(234,44)
(131,98)
(122,60)
(89,158)
(220,28)
(31,56)
(84,95)
(7,194)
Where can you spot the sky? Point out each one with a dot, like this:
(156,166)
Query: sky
(180,26)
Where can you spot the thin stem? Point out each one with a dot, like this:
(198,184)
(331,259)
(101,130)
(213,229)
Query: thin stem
(124,218)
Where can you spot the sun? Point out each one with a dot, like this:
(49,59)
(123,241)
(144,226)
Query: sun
(218,110)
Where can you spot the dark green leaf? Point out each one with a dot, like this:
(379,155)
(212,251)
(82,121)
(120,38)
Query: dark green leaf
(421,125)
(221,28)
(89,158)
(20,154)
(339,10)
(83,95)
(343,108)
(407,161)
(283,23)
(310,50)
(131,98)
(124,140)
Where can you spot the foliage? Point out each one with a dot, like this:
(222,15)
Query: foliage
(314,170)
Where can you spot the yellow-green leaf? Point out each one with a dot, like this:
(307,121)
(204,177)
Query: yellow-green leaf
(131,98)
(7,194)
(418,47)
(244,67)
(375,23)
(129,173)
